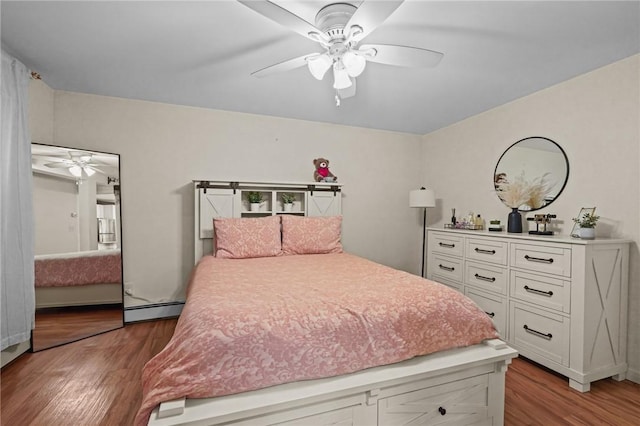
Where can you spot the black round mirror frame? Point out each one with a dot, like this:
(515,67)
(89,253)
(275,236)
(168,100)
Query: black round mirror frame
(556,146)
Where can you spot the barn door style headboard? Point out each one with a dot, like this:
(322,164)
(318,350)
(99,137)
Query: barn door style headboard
(217,199)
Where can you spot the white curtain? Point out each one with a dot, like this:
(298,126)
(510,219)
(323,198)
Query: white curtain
(17,299)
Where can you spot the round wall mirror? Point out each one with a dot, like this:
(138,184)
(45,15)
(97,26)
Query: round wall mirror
(533,162)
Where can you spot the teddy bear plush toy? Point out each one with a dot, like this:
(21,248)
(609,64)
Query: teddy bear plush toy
(322,173)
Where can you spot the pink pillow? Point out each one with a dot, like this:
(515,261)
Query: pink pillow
(311,235)
(239,238)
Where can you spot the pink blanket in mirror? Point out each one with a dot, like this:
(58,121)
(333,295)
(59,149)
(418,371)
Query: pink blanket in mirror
(79,268)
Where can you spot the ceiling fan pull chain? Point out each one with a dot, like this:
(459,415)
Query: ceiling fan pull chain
(337,99)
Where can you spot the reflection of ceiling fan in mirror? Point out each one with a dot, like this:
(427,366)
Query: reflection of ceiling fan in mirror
(80,164)
(339,27)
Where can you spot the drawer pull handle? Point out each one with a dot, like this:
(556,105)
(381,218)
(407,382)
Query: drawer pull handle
(479,250)
(547,336)
(447,268)
(442,411)
(446,245)
(491,314)
(536,291)
(480,277)
(537,259)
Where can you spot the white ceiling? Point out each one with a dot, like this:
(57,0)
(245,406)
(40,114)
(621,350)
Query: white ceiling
(202,53)
(107,165)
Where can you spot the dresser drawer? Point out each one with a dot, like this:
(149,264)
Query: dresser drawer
(449,268)
(492,305)
(553,293)
(453,284)
(447,243)
(487,250)
(486,277)
(540,332)
(549,259)
(461,402)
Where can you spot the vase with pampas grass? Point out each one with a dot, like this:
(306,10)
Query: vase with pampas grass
(521,192)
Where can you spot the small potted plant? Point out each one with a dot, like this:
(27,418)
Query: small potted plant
(287,201)
(255,199)
(587,224)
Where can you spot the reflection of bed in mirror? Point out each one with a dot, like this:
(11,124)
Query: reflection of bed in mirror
(78,279)
(78,265)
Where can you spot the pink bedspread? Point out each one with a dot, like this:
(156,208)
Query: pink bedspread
(253,323)
(75,269)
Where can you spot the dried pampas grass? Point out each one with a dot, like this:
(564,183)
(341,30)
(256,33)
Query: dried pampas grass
(521,192)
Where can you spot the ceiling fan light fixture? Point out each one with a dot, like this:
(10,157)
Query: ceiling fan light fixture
(89,171)
(317,37)
(319,65)
(370,52)
(354,63)
(76,171)
(341,78)
(354,31)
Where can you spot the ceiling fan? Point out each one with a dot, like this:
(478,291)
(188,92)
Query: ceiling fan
(339,27)
(80,164)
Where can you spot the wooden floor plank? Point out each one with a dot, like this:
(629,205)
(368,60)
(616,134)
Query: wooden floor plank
(96,381)
(56,326)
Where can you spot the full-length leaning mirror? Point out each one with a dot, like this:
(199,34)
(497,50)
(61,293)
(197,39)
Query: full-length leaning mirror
(534,159)
(78,262)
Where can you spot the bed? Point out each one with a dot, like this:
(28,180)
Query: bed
(292,330)
(77,279)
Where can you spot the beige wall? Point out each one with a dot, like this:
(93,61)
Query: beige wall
(54,201)
(596,119)
(164,147)
(41,112)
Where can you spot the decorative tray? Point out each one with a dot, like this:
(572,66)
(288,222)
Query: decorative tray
(467,227)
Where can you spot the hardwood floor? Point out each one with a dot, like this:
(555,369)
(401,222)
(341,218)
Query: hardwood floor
(96,381)
(56,326)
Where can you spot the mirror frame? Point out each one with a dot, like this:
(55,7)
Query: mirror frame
(566,178)
(91,331)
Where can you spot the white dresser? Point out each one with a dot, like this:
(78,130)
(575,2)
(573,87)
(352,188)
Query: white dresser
(560,301)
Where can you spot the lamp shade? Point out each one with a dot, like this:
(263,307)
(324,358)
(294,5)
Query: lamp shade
(422,198)
(75,170)
(319,65)
(353,63)
(341,78)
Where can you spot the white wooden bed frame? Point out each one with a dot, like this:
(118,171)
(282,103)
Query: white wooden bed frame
(459,387)
(90,294)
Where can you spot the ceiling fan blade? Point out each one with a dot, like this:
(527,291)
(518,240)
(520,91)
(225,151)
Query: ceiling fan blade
(285,18)
(97,170)
(369,15)
(402,56)
(58,165)
(349,91)
(283,66)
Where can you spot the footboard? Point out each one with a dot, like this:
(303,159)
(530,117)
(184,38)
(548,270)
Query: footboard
(458,386)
